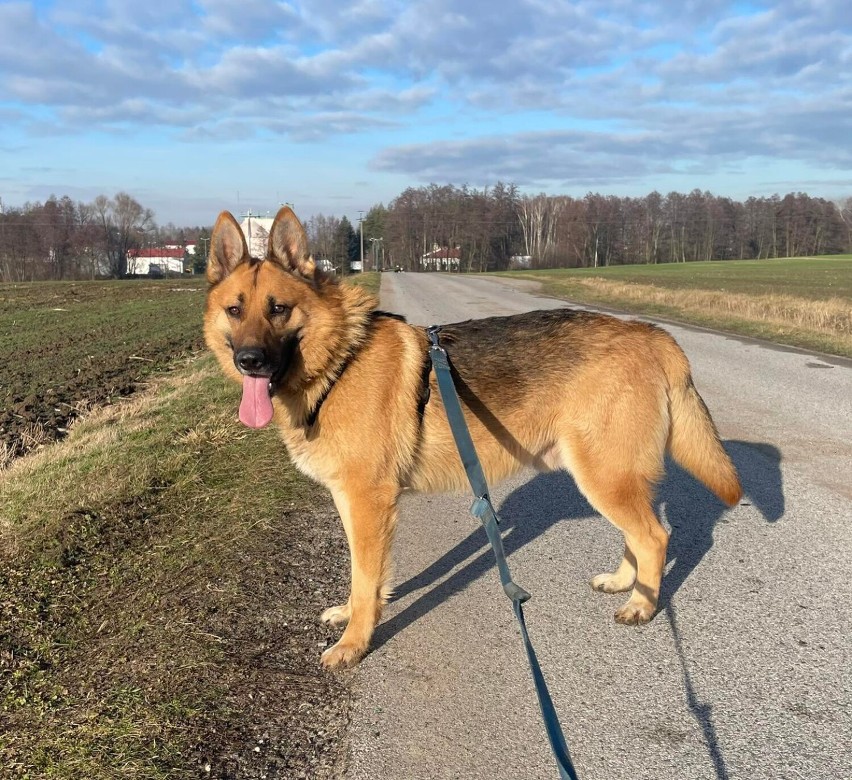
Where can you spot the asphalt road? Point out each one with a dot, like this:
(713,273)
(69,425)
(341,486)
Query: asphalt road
(746,672)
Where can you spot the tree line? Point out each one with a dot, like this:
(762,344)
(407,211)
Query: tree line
(493,228)
(497,227)
(64,239)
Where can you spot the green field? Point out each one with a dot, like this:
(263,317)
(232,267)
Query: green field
(804,301)
(809,277)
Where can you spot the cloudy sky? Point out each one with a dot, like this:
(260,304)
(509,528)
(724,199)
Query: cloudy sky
(193,106)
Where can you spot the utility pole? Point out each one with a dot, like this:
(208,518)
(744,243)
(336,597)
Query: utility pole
(375,243)
(206,250)
(361,233)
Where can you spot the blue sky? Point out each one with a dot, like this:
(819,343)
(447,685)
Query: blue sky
(194,106)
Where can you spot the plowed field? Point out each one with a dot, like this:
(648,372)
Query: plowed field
(68,346)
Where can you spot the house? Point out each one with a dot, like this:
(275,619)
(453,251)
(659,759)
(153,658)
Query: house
(155,261)
(441,258)
(256,231)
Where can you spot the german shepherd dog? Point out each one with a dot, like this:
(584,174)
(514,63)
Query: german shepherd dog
(351,391)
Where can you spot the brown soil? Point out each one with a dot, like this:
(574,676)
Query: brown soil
(32,419)
(66,347)
(289,717)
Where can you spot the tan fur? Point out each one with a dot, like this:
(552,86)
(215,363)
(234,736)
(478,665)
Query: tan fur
(599,397)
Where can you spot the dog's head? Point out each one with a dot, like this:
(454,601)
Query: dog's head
(266,320)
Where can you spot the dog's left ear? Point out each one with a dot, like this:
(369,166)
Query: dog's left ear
(227,248)
(288,243)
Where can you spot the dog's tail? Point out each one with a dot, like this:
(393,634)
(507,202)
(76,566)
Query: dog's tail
(693,439)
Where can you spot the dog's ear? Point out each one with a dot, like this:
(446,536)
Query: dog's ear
(288,243)
(227,248)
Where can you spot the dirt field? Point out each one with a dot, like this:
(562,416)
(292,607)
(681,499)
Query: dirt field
(66,347)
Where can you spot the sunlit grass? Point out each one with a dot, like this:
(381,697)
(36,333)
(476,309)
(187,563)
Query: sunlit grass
(805,302)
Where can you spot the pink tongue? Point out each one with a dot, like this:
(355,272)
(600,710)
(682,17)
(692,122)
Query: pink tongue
(256,406)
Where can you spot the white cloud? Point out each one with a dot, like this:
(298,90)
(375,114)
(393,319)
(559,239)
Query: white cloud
(528,90)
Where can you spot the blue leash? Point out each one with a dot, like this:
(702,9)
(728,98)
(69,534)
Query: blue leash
(483,509)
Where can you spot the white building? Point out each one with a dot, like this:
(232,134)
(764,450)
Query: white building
(155,261)
(441,258)
(256,231)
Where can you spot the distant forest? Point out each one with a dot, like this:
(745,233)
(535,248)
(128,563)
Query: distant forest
(493,225)
(491,229)
(63,239)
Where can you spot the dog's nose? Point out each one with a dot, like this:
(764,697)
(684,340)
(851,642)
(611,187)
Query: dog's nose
(250,359)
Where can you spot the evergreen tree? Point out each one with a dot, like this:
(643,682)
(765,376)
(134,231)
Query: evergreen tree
(345,243)
(202,247)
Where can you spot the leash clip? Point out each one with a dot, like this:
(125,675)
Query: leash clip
(432,332)
(480,507)
(483,510)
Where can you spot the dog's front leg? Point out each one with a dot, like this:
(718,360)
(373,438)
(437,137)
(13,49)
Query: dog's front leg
(369,516)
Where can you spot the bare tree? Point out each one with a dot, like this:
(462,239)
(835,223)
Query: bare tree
(321,233)
(123,222)
(539,218)
(844,211)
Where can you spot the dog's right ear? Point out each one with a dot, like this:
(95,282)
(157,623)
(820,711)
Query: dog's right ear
(227,248)
(288,244)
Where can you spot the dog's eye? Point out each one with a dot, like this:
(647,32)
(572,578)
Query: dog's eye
(234,311)
(279,308)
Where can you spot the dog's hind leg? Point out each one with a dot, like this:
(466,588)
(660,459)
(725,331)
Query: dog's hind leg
(626,503)
(369,517)
(616,487)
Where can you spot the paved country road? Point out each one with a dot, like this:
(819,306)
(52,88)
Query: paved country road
(746,672)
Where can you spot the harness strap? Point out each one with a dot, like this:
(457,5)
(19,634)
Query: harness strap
(483,509)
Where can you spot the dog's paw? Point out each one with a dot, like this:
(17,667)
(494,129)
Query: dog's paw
(632,614)
(342,655)
(336,616)
(611,583)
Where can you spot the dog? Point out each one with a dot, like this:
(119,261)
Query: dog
(351,390)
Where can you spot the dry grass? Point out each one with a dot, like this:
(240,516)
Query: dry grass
(217,431)
(370,281)
(820,324)
(831,317)
(34,435)
(7,454)
(799,301)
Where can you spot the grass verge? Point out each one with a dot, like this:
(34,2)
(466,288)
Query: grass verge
(370,281)
(802,302)
(161,571)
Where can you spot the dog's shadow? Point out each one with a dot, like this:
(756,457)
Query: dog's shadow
(529,511)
